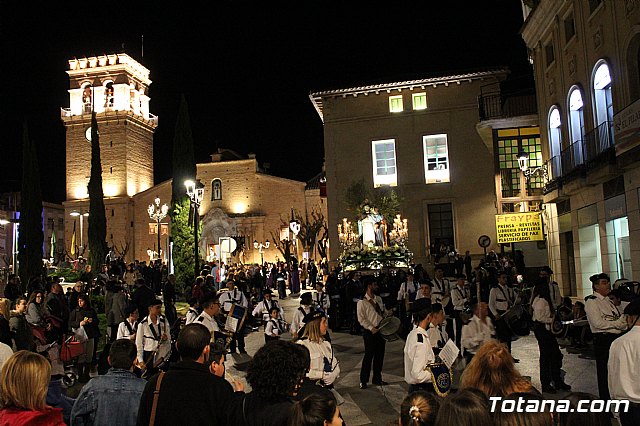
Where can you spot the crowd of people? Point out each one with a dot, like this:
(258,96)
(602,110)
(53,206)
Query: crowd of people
(160,368)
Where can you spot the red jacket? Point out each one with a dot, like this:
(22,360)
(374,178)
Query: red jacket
(15,417)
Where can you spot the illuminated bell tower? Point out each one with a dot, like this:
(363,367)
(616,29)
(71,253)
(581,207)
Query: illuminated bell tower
(115,87)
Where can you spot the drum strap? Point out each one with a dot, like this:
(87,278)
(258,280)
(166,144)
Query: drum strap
(506,296)
(156,395)
(129,327)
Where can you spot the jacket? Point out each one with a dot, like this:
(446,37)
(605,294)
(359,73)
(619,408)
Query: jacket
(79,314)
(112,399)
(119,304)
(189,395)
(15,417)
(21,332)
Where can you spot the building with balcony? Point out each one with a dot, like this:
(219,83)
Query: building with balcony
(587,74)
(420,138)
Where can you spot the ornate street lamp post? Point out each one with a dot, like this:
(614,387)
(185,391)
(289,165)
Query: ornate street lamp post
(261,247)
(196,194)
(157,213)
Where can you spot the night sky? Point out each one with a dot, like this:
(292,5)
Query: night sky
(246,69)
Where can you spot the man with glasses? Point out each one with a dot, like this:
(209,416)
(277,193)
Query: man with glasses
(210,305)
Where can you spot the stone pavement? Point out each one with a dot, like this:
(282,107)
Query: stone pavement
(379,405)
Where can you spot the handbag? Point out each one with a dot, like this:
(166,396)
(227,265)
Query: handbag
(70,349)
(80,334)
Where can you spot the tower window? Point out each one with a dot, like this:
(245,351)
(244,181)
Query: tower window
(111,169)
(87,94)
(216,190)
(108,95)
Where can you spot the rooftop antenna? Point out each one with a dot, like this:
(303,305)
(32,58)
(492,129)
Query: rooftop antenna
(142,36)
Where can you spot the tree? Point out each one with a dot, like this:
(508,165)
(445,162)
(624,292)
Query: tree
(384,198)
(182,236)
(310,227)
(97,219)
(30,232)
(184,163)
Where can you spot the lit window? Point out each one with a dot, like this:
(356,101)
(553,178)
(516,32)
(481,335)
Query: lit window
(419,101)
(603,103)
(436,158)
(395,103)
(383,153)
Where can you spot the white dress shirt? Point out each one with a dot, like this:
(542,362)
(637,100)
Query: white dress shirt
(500,299)
(417,354)
(228,298)
(148,339)
(274,327)
(206,320)
(459,296)
(263,307)
(321,300)
(123,330)
(603,315)
(437,335)
(297,321)
(542,312)
(624,366)
(192,315)
(408,289)
(441,289)
(476,333)
(368,316)
(318,352)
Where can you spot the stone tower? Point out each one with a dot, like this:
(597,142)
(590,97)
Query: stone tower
(116,88)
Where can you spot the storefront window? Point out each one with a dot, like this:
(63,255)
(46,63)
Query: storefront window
(590,260)
(619,250)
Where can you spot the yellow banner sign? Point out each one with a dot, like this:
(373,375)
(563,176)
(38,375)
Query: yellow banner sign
(519,227)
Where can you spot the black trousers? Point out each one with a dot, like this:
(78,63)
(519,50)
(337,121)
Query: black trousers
(601,345)
(459,325)
(503,332)
(427,387)
(373,353)
(237,340)
(550,355)
(631,417)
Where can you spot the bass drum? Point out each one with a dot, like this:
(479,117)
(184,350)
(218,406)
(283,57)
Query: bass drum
(518,320)
(389,328)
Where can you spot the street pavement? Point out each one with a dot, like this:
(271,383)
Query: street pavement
(380,405)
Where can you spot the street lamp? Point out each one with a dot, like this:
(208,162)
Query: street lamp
(81,215)
(294,226)
(523,163)
(261,247)
(157,213)
(195,191)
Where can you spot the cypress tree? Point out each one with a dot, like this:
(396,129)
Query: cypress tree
(30,232)
(184,167)
(97,218)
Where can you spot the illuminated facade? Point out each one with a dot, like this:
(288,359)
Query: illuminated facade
(420,137)
(587,73)
(115,87)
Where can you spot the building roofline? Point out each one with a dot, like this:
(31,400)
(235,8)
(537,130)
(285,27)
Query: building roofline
(316,97)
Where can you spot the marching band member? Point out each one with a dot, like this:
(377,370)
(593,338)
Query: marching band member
(129,327)
(192,313)
(460,297)
(606,324)
(550,355)
(441,288)
(417,349)
(408,289)
(477,332)
(370,311)
(554,289)
(437,335)
(275,326)
(153,331)
(306,307)
(425,290)
(324,365)
(227,299)
(210,310)
(263,308)
(501,298)
(321,299)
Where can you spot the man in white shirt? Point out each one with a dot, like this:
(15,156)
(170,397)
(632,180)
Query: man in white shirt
(554,289)
(417,349)
(477,332)
(370,311)
(406,296)
(321,299)
(501,298)
(297,322)
(193,313)
(460,298)
(128,328)
(263,307)
(425,290)
(441,293)
(234,296)
(210,310)
(606,324)
(624,366)
(152,337)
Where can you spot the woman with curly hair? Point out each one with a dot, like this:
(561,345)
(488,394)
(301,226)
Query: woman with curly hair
(273,386)
(493,371)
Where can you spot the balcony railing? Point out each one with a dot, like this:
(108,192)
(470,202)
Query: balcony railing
(571,157)
(598,141)
(497,105)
